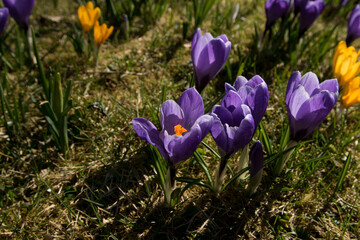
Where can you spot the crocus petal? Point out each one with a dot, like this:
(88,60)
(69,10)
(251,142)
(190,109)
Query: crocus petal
(205,123)
(171,115)
(239,82)
(180,148)
(298,98)
(192,106)
(223,114)
(310,82)
(4,15)
(353,31)
(293,82)
(148,132)
(231,101)
(244,133)
(218,133)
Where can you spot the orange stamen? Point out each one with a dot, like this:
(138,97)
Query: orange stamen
(179,130)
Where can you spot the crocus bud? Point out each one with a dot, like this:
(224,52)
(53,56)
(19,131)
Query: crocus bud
(4,15)
(309,13)
(308,102)
(20,10)
(256,162)
(88,15)
(275,9)
(209,56)
(353,31)
(253,93)
(101,33)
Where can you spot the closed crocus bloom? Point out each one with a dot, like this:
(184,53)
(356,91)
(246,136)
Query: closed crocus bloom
(256,161)
(351,93)
(183,124)
(101,33)
(308,103)
(353,31)
(4,15)
(345,63)
(233,124)
(209,56)
(253,93)
(310,13)
(20,10)
(275,9)
(88,15)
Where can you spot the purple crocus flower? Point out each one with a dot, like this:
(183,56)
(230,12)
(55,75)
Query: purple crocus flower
(183,124)
(253,93)
(209,56)
(309,13)
(4,15)
(308,102)
(275,9)
(256,161)
(353,31)
(233,124)
(20,10)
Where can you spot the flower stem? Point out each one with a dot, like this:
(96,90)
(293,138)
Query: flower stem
(219,174)
(280,164)
(169,183)
(243,162)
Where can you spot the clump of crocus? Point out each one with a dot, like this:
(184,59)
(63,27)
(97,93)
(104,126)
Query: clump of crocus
(4,15)
(183,126)
(309,13)
(345,63)
(256,163)
(101,33)
(307,104)
(274,10)
(232,130)
(353,29)
(88,15)
(20,10)
(209,56)
(351,93)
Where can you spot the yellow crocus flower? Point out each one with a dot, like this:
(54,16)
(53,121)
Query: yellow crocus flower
(88,15)
(101,33)
(345,65)
(351,93)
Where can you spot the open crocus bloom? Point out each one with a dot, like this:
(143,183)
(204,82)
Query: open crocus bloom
(88,15)
(275,9)
(209,56)
(101,33)
(308,102)
(353,31)
(351,93)
(183,124)
(309,13)
(345,63)
(233,125)
(253,93)
(20,10)
(4,15)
